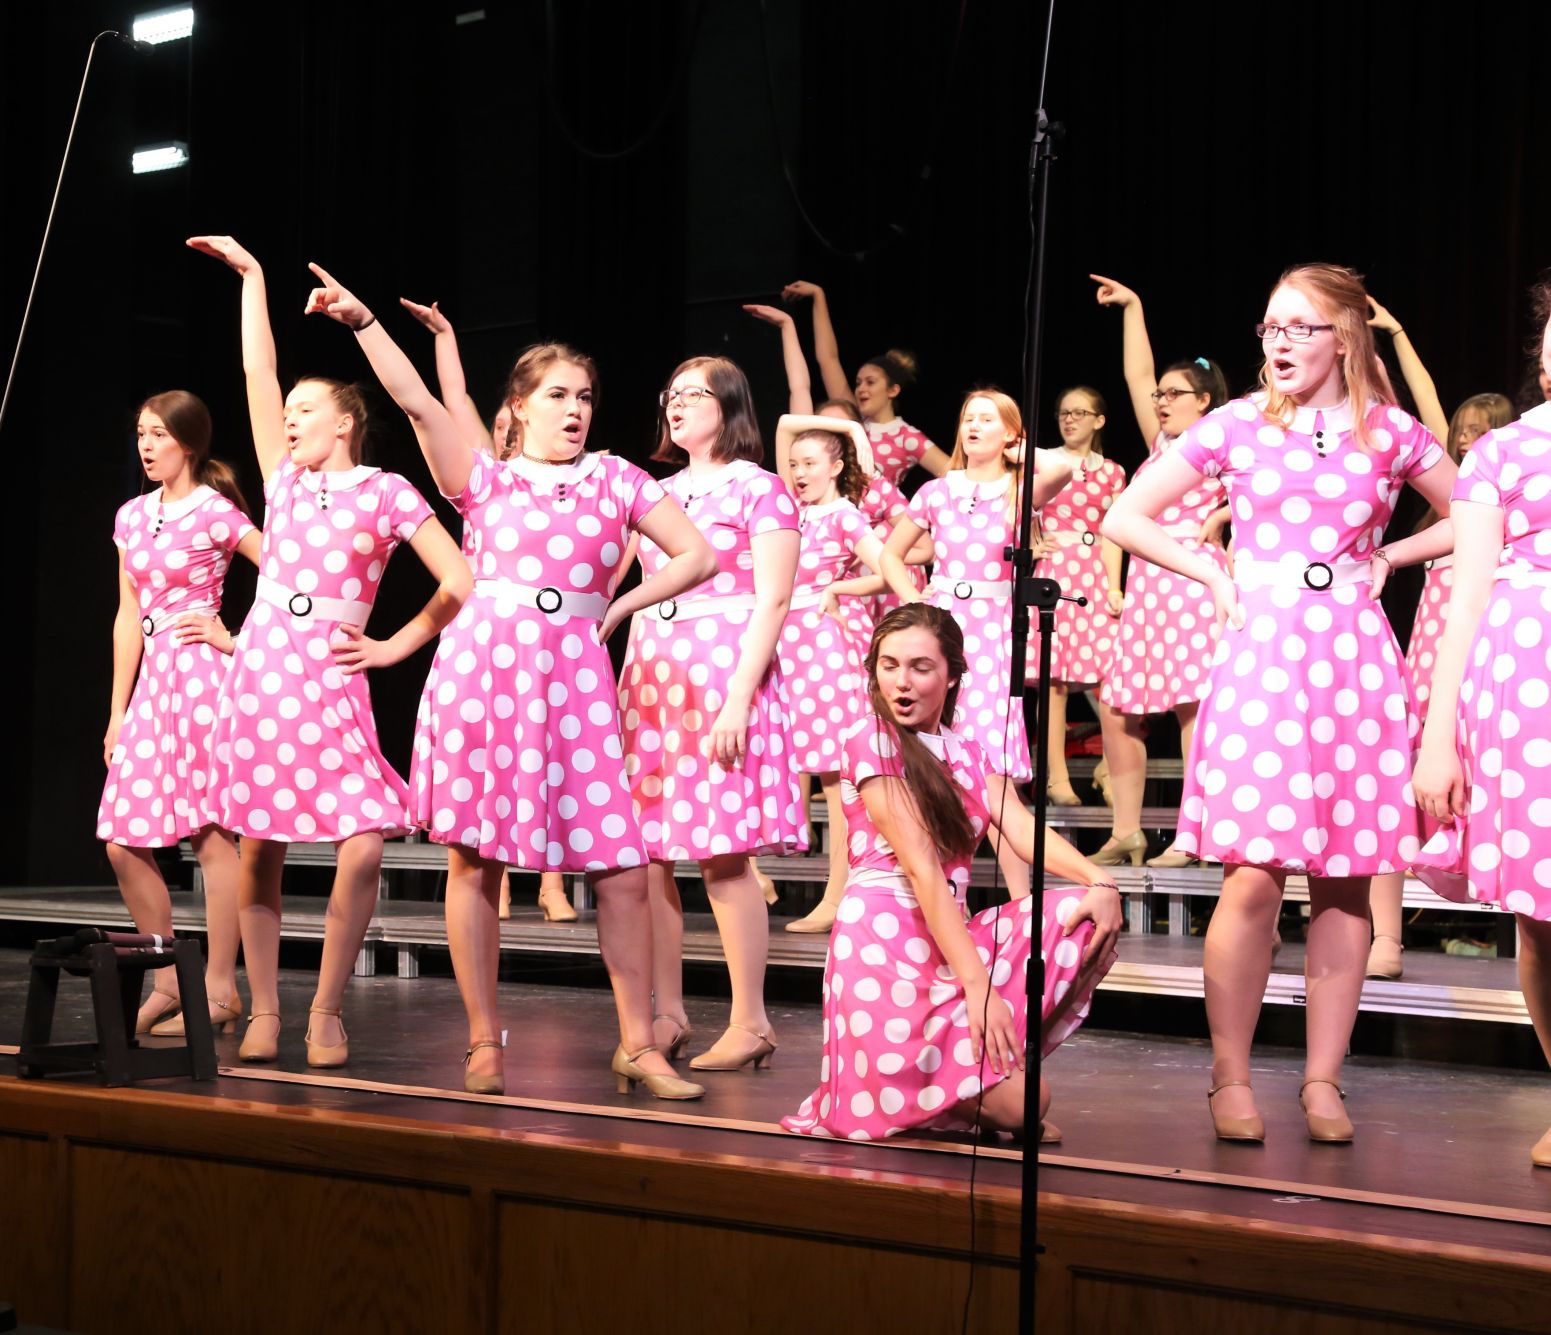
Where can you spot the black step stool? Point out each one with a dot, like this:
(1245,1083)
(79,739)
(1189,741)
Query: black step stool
(116,963)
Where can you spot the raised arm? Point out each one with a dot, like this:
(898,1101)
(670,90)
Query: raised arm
(1418,381)
(450,379)
(793,424)
(799,388)
(837,384)
(775,567)
(448,454)
(128,645)
(266,404)
(1135,352)
(991,1029)
(691,562)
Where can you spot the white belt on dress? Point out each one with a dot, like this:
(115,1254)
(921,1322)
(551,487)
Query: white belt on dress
(309,605)
(154,623)
(972,588)
(1441,562)
(672,609)
(1071,539)
(1317,576)
(549,599)
(879,878)
(1519,573)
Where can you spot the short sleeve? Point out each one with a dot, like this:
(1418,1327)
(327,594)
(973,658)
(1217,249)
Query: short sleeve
(1116,481)
(1418,449)
(407,507)
(919,510)
(1478,479)
(476,491)
(870,751)
(228,525)
(853,526)
(1204,446)
(768,505)
(639,491)
(121,526)
(280,481)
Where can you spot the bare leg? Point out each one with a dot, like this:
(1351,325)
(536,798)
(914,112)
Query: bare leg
(625,939)
(1056,747)
(744,925)
(504,905)
(1237,962)
(1535,976)
(474,940)
(1386,909)
(258,915)
(823,916)
(349,913)
(217,853)
(667,924)
(1126,751)
(1337,951)
(1001,1109)
(145,896)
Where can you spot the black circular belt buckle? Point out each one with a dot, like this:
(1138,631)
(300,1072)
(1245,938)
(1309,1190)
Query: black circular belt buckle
(963,589)
(1088,539)
(667,609)
(148,626)
(305,610)
(549,599)
(1313,580)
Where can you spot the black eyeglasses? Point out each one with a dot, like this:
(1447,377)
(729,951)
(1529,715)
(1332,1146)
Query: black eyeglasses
(1299,333)
(1168,395)
(689,396)
(1076,414)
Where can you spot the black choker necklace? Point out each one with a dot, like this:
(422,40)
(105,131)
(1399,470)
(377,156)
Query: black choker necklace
(549,463)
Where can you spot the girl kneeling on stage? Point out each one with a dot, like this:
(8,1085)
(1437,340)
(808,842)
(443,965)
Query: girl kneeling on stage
(925,1019)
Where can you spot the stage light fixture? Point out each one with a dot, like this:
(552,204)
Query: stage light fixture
(159,157)
(165,25)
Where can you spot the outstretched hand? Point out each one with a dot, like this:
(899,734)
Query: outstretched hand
(223,248)
(801,291)
(769,314)
(336,301)
(430,316)
(1112,293)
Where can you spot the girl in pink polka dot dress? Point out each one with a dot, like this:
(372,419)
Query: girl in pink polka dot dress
(925,1013)
(171,649)
(296,752)
(706,724)
(518,759)
(1302,748)
(969,517)
(1484,770)
(821,666)
(1072,553)
(1167,631)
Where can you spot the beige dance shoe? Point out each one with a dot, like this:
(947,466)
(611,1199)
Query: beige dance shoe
(1115,851)
(717,1058)
(1326,1130)
(1385,958)
(223,1019)
(1540,1156)
(673,1048)
(494,1083)
(171,1006)
(257,1047)
(1062,794)
(327,1056)
(659,1086)
(1169,858)
(1249,1130)
(556,903)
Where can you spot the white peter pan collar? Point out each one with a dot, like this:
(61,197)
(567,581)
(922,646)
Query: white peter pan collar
(692,486)
(154,505)
(342,479)
(961,487)
(1337,418)
(550,476)
(828,508)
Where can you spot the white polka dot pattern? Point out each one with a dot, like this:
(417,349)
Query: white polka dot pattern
(1168,630)
(969,535)
(1085,636)
(1501,849)
(296,752)
(1422,649)
(674,685)
(157,790)
(821,667)
(897,447)
(897,1052)
(517,747)
(883,505)
(1302,749)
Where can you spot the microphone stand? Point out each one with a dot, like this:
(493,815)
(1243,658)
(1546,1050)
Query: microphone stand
(48,227)
(1041,595)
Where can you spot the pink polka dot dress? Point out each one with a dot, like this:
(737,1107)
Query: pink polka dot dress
(897,447)
(883,505)
(972,579)
(517,748)
(1503,846)
(1302,752)
(1431,613)
(176,556)
(820,666)
(1085,636)
(897,1052)
(675,679)
(297,757)
(1167,633)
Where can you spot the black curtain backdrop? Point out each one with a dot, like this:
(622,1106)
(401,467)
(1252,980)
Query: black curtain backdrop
(626,176)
